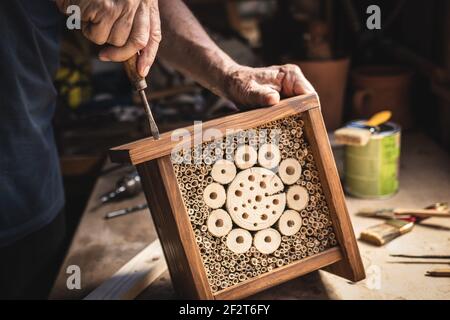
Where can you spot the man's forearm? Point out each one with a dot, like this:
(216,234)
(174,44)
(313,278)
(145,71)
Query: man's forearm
(188,48)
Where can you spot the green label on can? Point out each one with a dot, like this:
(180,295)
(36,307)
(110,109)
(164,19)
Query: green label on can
(372,170)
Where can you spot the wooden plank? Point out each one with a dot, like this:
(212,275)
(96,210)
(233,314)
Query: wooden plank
(134,276)
(148,149)
(351,266)
(174,229)
(280,275)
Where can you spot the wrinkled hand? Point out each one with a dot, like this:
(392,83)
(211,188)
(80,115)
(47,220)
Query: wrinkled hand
(128,26)
(264,86)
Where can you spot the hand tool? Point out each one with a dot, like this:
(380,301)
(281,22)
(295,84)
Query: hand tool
(396,224)
(443,272)
(122,212)
(439,209)
(360,135)
(126,187)
(425,256)
(140,85)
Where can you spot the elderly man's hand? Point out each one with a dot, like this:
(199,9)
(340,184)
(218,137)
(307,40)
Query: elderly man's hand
(264,86)
(128,26)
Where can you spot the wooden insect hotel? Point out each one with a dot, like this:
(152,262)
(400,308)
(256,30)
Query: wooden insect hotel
(250,201)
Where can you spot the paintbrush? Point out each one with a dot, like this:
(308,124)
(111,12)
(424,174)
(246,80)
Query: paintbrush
(443,272)
(360,136)
(439,210)
(397,225)
(392,213)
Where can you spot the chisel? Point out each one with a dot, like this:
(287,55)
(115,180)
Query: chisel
(140,85)
(122,212)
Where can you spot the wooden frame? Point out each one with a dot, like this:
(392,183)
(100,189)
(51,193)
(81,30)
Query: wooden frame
(153,161)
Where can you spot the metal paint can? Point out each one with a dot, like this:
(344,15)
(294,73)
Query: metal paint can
(371,171)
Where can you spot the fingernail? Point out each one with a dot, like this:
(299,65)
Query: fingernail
(103,58)
(145,72)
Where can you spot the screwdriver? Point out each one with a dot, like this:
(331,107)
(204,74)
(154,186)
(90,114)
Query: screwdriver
(140,85)
(122,212)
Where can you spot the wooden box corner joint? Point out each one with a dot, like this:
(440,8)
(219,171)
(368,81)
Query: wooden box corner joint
(234,227)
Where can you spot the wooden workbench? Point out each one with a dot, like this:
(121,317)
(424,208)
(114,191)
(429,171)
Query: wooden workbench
(100,247)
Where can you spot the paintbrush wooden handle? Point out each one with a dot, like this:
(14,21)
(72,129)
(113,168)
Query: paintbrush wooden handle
(424,212)
(444,272)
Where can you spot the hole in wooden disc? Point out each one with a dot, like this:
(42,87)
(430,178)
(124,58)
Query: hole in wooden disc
(252,188)
(274,212)
(245,215)
(266,194)
(213,195)
(262,184)
(244,205)
(258,198)
(263,175)
(241,185)
(246,157)
(267,206)
(269,155)
(290,223)
(238,193)
(240,239)
(276,184)
(267,239)
(235,209)
(255,207)
(296,197)
(251,178)
(264,217)
(290,170)
(219,223)
(276,201)
(249,201)
(223,171)
(255,224)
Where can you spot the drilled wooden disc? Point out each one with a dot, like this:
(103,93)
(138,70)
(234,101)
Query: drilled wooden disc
(267,241)
(245,157)
(290,223)
(269,155)
(297,197)
(239,240)
(223,171)
(219,223)
(255,199)
(289,171)
(214,195)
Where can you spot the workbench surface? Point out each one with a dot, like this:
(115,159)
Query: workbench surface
(100,247)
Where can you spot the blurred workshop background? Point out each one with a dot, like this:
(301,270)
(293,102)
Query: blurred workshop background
(404,67)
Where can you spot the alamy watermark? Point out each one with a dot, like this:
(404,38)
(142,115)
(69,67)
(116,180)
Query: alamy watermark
(373,22)
(73,281)
(210,145)
(73,21)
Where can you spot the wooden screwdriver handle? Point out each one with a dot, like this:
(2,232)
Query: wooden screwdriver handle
(131,69)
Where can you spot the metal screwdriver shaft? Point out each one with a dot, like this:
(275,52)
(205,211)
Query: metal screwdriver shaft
(153,127)
(140,85)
